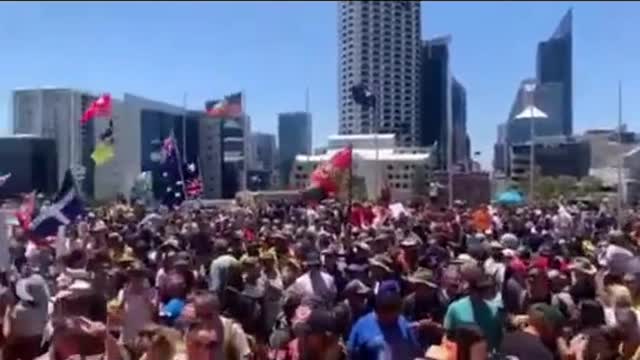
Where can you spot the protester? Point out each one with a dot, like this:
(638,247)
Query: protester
(293,280)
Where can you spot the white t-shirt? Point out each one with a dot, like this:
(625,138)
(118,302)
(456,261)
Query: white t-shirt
(318,283)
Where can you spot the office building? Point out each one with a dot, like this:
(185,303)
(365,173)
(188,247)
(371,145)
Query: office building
(211,155)
(548,98)
(433,90)
(32,162)
(379,46)
(263,151)
(55,113)
(553,92)
(225,148)
(554,156)
(435,87)
(294,138)
(554,65)
(461,142)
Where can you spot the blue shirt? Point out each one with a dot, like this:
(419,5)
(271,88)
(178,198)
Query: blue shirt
(172,310)
(370,340)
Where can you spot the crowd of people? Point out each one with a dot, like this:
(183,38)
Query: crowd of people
(327,281)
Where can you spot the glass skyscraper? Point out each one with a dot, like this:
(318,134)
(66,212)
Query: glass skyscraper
(553,91)
(434,83)
(554,65)
(294,138)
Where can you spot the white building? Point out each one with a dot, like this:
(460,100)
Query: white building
(379,45)
(388,166)
(55,113)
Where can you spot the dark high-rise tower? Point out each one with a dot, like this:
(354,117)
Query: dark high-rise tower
(553,92)
(554,65)
(294,138)
(434,89)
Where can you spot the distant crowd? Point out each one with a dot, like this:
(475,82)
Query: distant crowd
(328,281)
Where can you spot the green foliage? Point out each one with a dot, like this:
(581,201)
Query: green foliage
(589,185)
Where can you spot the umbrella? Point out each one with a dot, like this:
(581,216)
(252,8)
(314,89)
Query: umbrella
(510,197)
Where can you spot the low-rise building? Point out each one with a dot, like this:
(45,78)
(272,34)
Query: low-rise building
(376,159)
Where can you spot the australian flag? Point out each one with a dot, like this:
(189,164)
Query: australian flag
(170,172)
(66,208)
(192,180)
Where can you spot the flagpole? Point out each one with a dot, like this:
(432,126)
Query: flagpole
(72,140)
(449,129)
(184,127)
(201,179)
(179,161)
(620,156)
(245,143)
(350,194)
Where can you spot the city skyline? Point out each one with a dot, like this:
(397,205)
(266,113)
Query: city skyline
(275,73)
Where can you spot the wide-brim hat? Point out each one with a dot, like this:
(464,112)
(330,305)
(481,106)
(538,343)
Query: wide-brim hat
(266,255)
(99,226)
(409,241)
(137,268)
(249,261)
(357,268)
(463,259)
(24,290)
(125,258)
(357,287)
(583,265)
(382,262)
(170,244)
(424,277)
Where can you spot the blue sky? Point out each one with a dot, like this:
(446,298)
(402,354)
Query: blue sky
(274,50)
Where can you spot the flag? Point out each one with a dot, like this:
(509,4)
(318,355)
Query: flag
(331,177)
(168,149)
(363,96)
(4,178)
(231,106)
(192,180)
(66,208)
(104,150)
(170,173)
(25,211)
(99,108)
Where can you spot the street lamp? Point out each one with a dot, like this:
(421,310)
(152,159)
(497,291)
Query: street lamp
(532,113)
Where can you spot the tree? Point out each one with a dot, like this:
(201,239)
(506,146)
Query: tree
(545,188)
(566,186)
(590,184)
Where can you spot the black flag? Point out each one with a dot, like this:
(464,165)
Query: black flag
(363,96)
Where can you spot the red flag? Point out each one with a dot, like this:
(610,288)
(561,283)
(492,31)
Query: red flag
(330,175)
(231,106)
(99,108)
(25,212)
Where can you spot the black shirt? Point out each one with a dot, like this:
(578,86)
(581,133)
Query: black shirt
(524,346)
